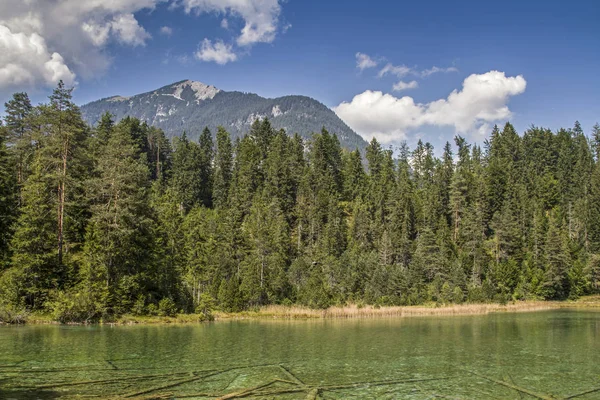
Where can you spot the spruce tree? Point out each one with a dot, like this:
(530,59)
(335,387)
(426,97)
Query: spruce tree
(206,153)
(117,254)
(19,133)
(8,200)
(558,261)
(223,168)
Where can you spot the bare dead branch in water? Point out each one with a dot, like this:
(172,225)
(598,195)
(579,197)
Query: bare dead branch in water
(539,396)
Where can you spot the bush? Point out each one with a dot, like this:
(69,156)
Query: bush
(446,293)
(457,295)
(475,294)
(152,310)
(206,306)
(139,307)
(69,307)
(287,302)
(167,307)
(501,298)
(12,314)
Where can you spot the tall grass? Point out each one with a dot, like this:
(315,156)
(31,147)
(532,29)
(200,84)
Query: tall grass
(353,311)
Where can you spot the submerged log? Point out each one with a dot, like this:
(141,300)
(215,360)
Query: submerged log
(290,375)
(574,396)
(313,394)
(111,380)
(248,391)
(528,392)
(312,389)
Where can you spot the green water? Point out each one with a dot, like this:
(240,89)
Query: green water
(554,354)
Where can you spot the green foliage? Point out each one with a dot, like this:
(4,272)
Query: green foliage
(75,306)
(11,313)
(167,307)
(206,305)
(8,199)
(119,222)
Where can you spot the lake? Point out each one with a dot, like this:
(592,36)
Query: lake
(549,354)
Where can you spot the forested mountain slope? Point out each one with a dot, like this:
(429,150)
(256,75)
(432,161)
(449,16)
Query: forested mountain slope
(189,106)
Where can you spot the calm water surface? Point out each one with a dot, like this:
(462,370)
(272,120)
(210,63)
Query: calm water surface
(554,354)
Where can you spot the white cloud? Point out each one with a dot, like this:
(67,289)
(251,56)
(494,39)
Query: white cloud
(435,70)
(123,27)
(363,61)
(166,30)
(224,23)
(261,17)
(26,61)
(128,31)
(482,100)
(401,85)
(397,70)
(98,33)
(402,71)
(73,35)
(218,52)
(79,31)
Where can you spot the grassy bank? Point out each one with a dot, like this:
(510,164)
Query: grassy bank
(353,311)
(349,311)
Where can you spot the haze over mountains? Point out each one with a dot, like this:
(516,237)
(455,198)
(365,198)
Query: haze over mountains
(190,106)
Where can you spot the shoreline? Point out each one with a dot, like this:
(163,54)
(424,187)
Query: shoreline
(278,312)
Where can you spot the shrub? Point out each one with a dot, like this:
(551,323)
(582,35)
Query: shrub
(446,293)
(75,306)
(475,294)
(206,306)
(457,295)
(167,307)
(139,307)
(287,302)
(152,309)
(12,314)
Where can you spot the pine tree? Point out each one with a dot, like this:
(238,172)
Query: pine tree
(558,261)
(104,129)
(206,167)
(247,176)
(354,176)
(264,267)
(187,173)
(118,245)
(33,245)
(53,210)
(279,178)
(64,152)
(8,200)
(18,133)
(200,268)
(158,153)
(223,168)
(461,188)
(595,141)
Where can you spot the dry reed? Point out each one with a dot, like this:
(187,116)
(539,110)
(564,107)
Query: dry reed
(354,311)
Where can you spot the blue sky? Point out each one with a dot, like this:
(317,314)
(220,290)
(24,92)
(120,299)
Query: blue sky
(545,56)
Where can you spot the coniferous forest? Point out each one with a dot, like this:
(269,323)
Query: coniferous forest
(97,222)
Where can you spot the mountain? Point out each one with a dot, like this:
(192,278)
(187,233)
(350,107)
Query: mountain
(190,106)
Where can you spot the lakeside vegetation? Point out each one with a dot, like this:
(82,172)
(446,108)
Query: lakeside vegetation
(100,223)
(297,312)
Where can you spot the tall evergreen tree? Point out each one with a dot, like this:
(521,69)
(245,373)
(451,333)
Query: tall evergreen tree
(19,133)
(222,168)
(206,167)
(118,240)
(8,200)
